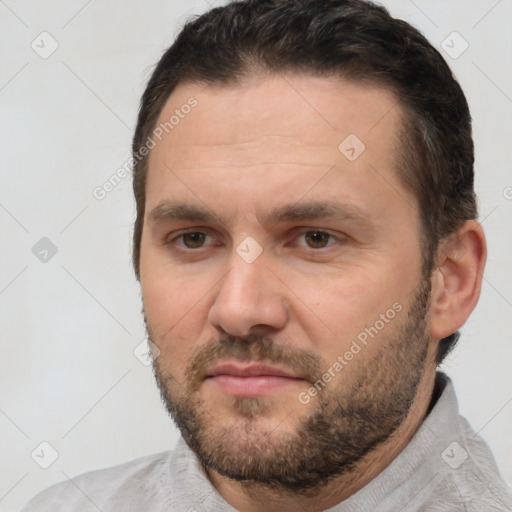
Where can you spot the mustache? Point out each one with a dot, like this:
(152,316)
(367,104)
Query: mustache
(257,348)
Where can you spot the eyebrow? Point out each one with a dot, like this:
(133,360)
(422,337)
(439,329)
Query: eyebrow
(316,210)
(295,212)
(180,211)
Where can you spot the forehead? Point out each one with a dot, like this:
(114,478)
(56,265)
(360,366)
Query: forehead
(315,111)
(275,135)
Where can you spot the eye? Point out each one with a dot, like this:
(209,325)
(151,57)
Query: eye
(193,240)
(316,239)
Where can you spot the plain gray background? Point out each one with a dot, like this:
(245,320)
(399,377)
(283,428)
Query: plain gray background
(70,323)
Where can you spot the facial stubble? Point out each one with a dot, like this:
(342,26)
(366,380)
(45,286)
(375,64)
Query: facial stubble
(344,423)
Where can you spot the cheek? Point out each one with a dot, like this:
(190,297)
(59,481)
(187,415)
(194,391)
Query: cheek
(168,293)
(344,308)
(175,310)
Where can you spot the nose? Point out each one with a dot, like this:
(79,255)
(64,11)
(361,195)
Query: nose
(250,298)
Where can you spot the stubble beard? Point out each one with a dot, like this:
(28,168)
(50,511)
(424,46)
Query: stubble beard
(346,422)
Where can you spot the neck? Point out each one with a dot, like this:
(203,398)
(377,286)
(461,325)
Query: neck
(254,497)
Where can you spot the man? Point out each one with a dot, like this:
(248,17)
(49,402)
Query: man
(307,249)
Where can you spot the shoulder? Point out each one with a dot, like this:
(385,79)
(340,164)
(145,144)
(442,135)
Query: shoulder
(475,475)
(121,487)
(467,476)
(471,476)
(447,467)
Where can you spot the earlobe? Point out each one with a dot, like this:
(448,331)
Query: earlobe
(457,279)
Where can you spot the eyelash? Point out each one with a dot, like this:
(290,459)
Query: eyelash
(304,232)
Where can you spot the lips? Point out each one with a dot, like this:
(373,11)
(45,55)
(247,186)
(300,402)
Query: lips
(250,379)
(252,370)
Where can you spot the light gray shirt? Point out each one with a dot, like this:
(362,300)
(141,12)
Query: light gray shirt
(445,467)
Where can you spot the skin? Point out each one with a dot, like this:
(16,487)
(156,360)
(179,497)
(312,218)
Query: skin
(244,152)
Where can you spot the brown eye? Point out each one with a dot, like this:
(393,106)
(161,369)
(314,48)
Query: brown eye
(317,239)
(193,240)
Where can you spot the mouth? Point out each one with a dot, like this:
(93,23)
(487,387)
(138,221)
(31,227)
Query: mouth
(251,380)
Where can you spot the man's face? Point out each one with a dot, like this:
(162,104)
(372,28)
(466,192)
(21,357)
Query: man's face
(282,275)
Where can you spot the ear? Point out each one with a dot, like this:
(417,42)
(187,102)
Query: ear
(457,279)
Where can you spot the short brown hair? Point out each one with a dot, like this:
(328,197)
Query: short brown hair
(352,39)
